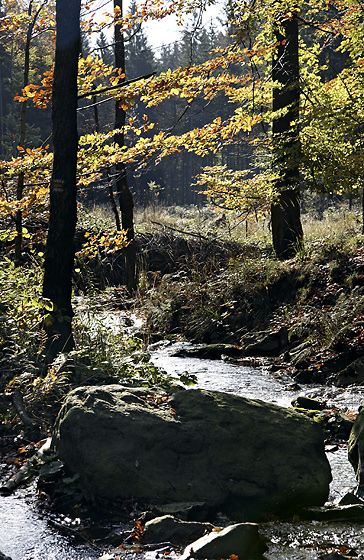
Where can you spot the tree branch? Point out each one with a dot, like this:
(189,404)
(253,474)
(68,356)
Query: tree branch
(123,84)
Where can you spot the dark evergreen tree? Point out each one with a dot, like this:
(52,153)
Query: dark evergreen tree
(104,50)
(139,56)
(177,171)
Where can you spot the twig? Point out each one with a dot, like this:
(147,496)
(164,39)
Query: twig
(18,403)
(74,533)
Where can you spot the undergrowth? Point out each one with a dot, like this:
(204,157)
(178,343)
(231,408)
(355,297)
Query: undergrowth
(309,293)
(217,292)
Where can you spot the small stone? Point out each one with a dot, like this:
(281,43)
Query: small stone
(331,556)
(242,540)
(310,404)
(196,511)
(350,499)
(173,530)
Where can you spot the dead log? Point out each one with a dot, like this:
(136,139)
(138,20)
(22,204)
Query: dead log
(24,473)
(16,399)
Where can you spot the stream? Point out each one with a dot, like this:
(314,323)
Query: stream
(26,534)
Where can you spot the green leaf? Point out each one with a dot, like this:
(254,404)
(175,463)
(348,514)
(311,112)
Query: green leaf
(48,470)
(188,378)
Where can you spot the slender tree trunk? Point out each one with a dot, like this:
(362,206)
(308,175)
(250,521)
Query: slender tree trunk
(20,183)
(114,207)
(108,178)
(123,192)
(2,142)
(59,258)
(285,211)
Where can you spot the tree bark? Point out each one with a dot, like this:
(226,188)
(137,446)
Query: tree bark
(123,192)
(18,218)
(285,211)
(59,258)
(109,182)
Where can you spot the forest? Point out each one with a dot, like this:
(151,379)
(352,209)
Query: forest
(200,201)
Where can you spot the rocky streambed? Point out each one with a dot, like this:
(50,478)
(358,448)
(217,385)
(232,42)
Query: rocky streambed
(26,534)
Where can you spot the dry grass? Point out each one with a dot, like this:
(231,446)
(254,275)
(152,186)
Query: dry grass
(337,226)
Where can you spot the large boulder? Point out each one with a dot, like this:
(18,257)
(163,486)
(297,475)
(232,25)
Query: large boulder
(265,343)
(246,458)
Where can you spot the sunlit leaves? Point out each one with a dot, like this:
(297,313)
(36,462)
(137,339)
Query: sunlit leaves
(332,113)
(239,77)
(237,191)
(98,245)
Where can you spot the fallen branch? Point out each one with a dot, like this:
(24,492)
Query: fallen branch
(16,399)
(183,232)
(25,472)
(18,404)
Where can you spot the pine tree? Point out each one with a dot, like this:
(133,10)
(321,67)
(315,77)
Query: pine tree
(139,56)
(104,50)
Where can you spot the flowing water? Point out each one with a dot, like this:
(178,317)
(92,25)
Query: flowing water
(26,535)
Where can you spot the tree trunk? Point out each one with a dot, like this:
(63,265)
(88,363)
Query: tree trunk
(20,183)
(123,192)
(59,258)
(109,182)
(285,211)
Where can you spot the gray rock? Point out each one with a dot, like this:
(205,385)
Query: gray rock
(356,450)
(350,499)
(353,512)
(184,510)
(248,459)
(266,343)
(353,374)
(333,556)
(3,557)
(242,540)
(210,351)
(305,402)
(301,355)
(173,530)
(339,424)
